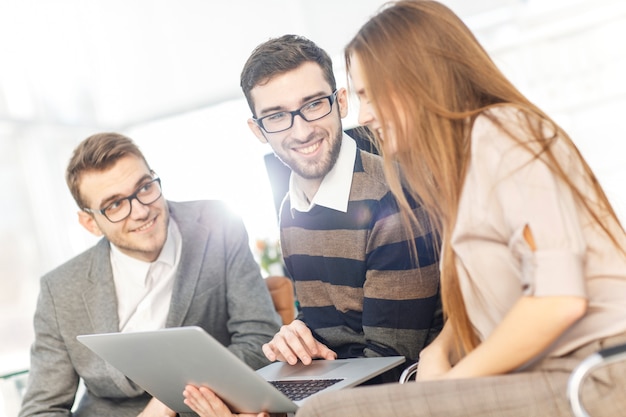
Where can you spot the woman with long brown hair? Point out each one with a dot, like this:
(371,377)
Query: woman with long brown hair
(533,262)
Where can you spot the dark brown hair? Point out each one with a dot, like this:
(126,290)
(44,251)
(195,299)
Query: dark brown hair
(97,153)
(280,55)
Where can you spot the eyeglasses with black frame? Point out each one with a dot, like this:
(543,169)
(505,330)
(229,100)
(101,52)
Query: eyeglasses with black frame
(120,209)
(310,112)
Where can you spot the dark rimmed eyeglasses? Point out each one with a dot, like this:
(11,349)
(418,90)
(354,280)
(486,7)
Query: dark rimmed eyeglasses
(310,112)
(120,209)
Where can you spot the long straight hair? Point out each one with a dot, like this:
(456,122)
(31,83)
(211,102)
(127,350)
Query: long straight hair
(428,78)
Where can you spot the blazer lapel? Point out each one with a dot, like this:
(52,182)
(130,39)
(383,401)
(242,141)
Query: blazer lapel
(101,304)
(194,241)
(100,298)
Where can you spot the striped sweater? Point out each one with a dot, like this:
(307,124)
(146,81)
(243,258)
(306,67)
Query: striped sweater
(359,290)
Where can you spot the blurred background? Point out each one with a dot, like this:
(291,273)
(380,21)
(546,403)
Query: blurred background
(166,73)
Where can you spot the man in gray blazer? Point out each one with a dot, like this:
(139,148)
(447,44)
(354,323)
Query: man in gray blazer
(159,264)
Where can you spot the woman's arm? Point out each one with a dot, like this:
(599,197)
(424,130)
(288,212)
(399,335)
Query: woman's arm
(529,328)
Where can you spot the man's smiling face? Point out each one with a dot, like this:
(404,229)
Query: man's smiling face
(143,233)
(310,149)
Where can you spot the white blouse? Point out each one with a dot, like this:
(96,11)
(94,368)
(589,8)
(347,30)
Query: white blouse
(505,189)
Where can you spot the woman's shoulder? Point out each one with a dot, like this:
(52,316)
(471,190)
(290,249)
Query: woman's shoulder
(498,122)
(508,127)
(501,140)
(491,131)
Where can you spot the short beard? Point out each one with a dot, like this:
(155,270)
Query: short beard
(321,169)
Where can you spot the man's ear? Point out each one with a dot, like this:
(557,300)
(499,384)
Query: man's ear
(88,222)
(256,130)
(342,99)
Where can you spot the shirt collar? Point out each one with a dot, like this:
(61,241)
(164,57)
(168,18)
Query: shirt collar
(171,249)
(334,191)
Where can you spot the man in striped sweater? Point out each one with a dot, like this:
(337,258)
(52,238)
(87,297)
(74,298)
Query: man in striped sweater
(361,292)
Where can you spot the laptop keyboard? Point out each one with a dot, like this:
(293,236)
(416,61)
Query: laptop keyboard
(297,390)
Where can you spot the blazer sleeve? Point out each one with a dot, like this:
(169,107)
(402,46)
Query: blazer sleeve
(253,320)
(52,381)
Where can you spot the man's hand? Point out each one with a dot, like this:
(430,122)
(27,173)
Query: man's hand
(295,341)
(156,408)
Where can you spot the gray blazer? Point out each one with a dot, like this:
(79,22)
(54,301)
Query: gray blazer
(218,287)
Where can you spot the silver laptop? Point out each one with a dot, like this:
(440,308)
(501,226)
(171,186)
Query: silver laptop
(163,361)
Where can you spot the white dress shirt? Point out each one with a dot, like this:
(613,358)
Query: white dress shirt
(144,289)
